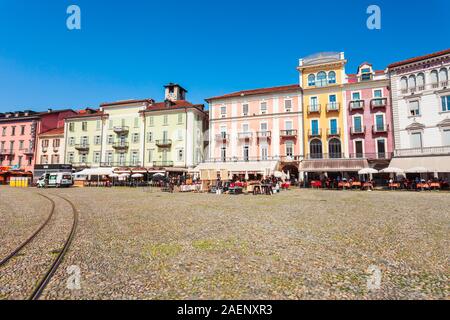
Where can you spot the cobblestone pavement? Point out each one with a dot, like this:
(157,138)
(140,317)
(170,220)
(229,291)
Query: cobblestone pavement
(300,244)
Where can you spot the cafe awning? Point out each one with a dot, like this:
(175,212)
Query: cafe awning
(240,167)
(432,164)
(333,165)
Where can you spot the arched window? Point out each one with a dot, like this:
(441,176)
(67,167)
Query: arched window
(443,75)
(434,78)
(311,80)
(331,77)
(315,149)
(421,81)
(334,148)
(404,84)
(321,79)
(412,82)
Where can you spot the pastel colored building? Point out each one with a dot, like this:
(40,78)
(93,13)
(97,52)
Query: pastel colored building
(19,132)
(166,135)
(257,129)
(83,138)
(369,116)
(322,78)
(174,133)
(50,147)
(421,112)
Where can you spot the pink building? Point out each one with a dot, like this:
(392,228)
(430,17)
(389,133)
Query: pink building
(254,126)
(369,116)
(18,136)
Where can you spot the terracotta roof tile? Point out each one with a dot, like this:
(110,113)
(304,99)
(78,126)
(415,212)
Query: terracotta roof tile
(53,132)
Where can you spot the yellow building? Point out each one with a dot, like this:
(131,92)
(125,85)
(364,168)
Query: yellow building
(321,78)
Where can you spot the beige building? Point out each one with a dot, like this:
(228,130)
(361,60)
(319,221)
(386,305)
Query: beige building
(50,147)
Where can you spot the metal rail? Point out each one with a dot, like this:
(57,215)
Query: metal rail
(19,248)
(51,271)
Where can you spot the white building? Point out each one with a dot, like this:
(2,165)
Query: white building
(421,112)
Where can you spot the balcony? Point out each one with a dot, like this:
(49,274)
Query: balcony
(121,146)
(356,105)
(222,136)
(372,156)
(161,164)
(264,134)
(333,133)
(333,107)
(82,147)
(314,108)
(6,152)
(358,130)
(121,129)
(378,103)
(288,133)
(444,150)
(380,129)
(28,151)
(245,135)
(165,143)
(325,156)
(315,133)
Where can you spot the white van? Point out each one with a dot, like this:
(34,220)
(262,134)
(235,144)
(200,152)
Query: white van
(55,180)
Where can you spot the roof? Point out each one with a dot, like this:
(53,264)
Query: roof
(86,115)
(416,59)
(116,103)
(173,105)
(53,132)
(256,91)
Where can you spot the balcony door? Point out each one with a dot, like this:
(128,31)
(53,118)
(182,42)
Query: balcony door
(357,123)
(165,135)
(123,139)
(264,152)
(164,156)
(315,127)
(333,126)
(314,104)
(446,137)
(416,140)
(379,122)
(246,152)
(359,149)
(381,148)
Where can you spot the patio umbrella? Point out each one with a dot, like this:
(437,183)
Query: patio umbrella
(392,170)
(137,175)
(278,174)
(231,176)
(113,175)
(246,176)
(367,171)
(288,175)
(159,174)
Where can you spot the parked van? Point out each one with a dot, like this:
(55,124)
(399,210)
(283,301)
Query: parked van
(55,180)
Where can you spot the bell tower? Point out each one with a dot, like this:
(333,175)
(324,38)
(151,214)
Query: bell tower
(174,92)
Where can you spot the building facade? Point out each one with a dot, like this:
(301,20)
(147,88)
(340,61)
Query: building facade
(50,147)
(83,133)
(258,125)
(167,135)
(18,131)
(175,131)
(369,116)
(421,112)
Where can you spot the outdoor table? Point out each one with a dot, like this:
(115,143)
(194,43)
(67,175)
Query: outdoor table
(367,185)
(316,184)
(395,185)
(344,185)
(356,184)
(435,185)
(423,186)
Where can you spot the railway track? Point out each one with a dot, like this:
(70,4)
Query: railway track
(44,281)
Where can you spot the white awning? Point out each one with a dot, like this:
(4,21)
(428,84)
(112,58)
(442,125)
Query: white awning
(96,172)
(432,164)
(261,167)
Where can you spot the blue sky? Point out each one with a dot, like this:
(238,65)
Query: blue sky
(130,49)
